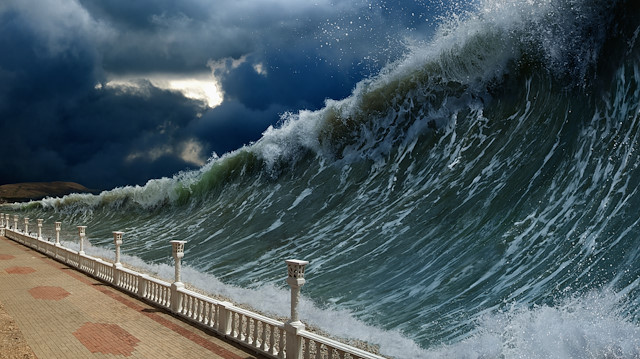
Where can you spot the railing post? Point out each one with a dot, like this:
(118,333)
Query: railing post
(224,318)
(295,279)
(142,285)
(82,233)
(117,240)
(40,229)
(1,224)
(178,254)
(15,222)
(26,225)
(58,225)
(7,220)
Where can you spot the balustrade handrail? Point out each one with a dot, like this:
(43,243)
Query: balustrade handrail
(338,345)
(257,316)
(156,281)
(169,296)
(130,271)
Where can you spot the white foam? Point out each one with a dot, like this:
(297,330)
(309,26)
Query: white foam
(590,326)
(300,198)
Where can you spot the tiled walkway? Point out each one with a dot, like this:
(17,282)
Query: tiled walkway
(63,313)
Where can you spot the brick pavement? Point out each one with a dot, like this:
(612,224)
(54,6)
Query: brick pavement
(63,313)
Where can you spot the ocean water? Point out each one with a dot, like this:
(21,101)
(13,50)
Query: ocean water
(478,198)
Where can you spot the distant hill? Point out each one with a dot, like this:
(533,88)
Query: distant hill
(22,192)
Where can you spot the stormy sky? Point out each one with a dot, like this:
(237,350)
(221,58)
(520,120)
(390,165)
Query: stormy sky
(113,93)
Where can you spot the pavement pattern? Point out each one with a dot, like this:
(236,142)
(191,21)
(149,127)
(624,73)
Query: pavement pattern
(63,313)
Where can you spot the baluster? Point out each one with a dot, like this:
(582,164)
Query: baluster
(204,317)
(210,313)
(307,349)
(255,332)
(233,324)
(272,340)
(264,337)
(247,336)
(281,344)
(165,296)
(153,292)
(240,320)
(217,318)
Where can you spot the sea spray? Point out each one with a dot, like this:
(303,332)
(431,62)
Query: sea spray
(589,326)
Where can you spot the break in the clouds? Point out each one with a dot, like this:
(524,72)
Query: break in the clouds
(110,93)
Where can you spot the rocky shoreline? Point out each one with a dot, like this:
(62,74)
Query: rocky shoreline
(33,191)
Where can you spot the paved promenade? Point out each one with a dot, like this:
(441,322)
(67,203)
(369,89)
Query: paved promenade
(63,313)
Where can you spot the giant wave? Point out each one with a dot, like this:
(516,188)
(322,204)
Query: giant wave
(477,198)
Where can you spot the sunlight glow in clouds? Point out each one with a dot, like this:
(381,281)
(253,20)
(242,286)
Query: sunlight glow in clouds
(190,151)
(196,89)
(201,87)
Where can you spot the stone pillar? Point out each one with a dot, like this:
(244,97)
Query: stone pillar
(142,285)
(58,225)
(82,234)
(176,297)
(178,254)
(295,279)
(224,318)
(117,240)
(7,220)
(40,229)
(15,222)
(1,219)
(26,225)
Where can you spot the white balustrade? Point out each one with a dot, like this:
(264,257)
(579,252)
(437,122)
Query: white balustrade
(267,336)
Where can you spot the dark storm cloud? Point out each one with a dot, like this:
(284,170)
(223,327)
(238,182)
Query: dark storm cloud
(60,120)
(232,124)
